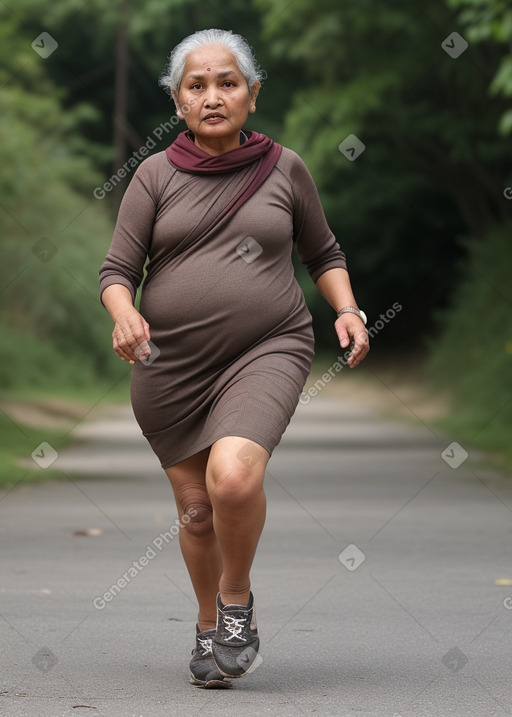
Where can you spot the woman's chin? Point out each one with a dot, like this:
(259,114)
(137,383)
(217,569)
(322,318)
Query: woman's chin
(219,130)
(217,136)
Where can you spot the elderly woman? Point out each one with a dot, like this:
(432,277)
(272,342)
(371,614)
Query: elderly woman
(222,344)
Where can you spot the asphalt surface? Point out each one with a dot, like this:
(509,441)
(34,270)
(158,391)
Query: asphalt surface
(374,580)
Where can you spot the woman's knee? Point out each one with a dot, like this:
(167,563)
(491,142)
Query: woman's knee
(188,483)
(195,508)
(197,516)
(235,472)
(233,485)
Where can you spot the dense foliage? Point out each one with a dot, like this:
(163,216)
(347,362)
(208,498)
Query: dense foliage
(422,213)
(53,236)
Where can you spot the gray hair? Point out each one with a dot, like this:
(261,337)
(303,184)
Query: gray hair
(171,78)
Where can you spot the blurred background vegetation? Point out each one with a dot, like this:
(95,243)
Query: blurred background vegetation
(424,214)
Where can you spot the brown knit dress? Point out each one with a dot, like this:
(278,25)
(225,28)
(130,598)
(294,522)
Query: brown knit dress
(226,313)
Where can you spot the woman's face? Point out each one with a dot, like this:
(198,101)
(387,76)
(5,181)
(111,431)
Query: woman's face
(214,99)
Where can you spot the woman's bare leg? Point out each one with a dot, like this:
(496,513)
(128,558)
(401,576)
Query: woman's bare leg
(221,490)
(234,479)
(197,537)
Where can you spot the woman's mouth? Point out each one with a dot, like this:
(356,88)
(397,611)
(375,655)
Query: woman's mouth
(213,118)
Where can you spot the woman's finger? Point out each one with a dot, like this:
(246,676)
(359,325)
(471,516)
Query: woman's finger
(361,348)
(123,354)
(130,338)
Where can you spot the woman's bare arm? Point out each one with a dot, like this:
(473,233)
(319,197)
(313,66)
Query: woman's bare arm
(131,330)
(334,285)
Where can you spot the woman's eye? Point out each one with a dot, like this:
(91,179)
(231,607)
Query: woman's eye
(196,86)
(228,84)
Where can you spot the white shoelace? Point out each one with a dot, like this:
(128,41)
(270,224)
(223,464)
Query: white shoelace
(234,625)
(206,644)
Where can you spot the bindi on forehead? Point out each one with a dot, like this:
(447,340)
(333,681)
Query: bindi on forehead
(220,75)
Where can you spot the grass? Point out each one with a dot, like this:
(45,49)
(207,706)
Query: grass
(493,438)
(18,442)
(401,390)
(29,417)
(116,391)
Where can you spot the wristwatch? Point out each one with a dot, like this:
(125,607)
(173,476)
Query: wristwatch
(352,310)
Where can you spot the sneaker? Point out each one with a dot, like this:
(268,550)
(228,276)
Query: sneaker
(203,670)
(235,643)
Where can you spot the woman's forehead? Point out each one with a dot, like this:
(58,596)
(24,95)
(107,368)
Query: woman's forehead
(215,58)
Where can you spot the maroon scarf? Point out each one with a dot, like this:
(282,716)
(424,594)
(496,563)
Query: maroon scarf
(258,150)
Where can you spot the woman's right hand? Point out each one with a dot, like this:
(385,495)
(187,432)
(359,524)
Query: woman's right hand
(131,335)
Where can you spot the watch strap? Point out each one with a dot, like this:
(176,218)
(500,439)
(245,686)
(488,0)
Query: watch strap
(350,310)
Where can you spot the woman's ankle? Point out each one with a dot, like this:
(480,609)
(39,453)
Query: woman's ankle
(235,596)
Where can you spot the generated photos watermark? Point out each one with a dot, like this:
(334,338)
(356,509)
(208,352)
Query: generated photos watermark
(139,155)
(44,455)
(100,602)
(342,360)
(147,360)
(454,45)
(454,455)
(249,454)
(351,147)
(351,557)
(250,657)
(44,659)
(249,250)
(45,45)
(454,660)
(44,250)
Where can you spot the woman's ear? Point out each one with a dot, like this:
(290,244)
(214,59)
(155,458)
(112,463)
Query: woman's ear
(254,93)
(179,113)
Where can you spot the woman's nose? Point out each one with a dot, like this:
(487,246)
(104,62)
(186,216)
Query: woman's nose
(212,97)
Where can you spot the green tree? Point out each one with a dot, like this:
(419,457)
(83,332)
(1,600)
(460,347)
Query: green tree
(153,29)
(56,147)
(54,232)
(433,167)
(489,21)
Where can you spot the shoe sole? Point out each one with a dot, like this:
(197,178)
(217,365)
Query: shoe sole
(210,684)
(231,677)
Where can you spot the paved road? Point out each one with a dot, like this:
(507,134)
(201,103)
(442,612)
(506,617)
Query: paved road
(374,580)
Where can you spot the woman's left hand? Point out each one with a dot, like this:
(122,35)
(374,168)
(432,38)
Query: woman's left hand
(350,327)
